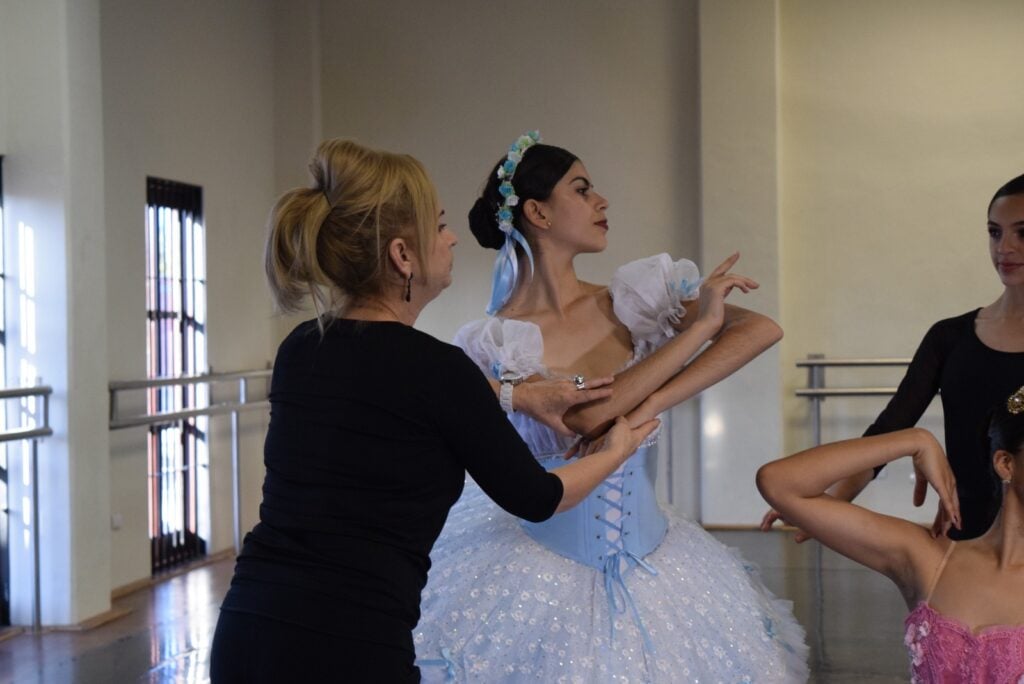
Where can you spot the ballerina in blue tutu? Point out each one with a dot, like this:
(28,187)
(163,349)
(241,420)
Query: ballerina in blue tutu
(618,589)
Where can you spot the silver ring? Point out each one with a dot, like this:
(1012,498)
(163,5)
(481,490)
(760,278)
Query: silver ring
(580,382)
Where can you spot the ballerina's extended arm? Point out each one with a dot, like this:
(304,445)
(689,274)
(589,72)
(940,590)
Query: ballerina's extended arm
(659,381)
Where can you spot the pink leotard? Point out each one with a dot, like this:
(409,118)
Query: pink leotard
(945,650)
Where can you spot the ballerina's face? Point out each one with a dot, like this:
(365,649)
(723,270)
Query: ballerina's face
(576,212)
(1006,238)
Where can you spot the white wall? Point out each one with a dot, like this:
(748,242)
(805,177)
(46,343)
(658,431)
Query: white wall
(56,323)
(188,96)
(898,121)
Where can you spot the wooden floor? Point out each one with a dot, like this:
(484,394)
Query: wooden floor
(165,637)
(853,620)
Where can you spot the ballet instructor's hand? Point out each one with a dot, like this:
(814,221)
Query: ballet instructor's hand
(585,447)
(717,286)
(547,400)
(622,436)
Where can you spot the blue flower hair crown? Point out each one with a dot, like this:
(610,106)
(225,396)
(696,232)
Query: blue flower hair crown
(506,266)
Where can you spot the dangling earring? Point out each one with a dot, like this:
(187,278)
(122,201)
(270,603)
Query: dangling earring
(408,289)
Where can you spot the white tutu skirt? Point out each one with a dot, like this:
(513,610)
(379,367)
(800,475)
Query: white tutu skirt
(499,607)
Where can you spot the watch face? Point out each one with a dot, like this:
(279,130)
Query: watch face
(511,378)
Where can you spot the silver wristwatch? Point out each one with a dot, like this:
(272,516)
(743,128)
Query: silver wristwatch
(508,380)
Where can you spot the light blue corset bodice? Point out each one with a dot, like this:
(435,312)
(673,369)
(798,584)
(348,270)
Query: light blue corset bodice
(619,518)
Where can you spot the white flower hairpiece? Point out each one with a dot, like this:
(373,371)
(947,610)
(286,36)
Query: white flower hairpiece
(505,172)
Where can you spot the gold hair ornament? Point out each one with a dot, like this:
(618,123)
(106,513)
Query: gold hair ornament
(1015,404)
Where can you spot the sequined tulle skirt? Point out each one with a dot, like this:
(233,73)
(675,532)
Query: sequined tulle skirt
(499,607)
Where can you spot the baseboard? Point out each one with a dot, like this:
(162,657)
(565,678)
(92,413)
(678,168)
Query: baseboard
(10,632)
(147,582)
(91,623)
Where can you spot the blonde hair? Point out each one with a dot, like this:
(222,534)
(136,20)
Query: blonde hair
(330,241)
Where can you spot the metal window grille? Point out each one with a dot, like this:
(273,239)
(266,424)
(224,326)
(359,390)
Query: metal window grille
(176,337)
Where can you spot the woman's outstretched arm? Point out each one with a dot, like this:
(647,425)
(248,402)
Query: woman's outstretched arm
(637,383)
(795,486)
(744,336)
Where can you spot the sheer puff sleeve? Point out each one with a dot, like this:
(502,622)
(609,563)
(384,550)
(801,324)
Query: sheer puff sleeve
(647,297)
(496,345)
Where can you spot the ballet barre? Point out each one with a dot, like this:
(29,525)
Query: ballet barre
(817,392)
(33,431)
(243,403)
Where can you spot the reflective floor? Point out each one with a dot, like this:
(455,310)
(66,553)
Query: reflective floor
(853,619)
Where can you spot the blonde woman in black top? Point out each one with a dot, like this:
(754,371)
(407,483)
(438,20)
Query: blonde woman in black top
(373,427)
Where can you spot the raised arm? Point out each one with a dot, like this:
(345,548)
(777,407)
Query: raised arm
(905,552)
(638,382)
(918,387)
(744,336)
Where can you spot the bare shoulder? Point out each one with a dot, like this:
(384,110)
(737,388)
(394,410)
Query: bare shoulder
(925,554)
(595,289)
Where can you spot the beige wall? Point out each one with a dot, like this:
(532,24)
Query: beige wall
(898,122)
(740,424)
(454,83)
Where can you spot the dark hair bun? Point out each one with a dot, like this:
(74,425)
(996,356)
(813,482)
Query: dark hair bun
(483,221)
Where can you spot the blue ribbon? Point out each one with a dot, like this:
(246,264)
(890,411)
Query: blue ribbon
(617,592)
(506,270)
(445,660)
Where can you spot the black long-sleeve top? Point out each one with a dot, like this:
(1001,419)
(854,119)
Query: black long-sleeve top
(372,430)
(971,379)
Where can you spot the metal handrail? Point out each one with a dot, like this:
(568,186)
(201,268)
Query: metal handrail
(816,391)
(118,422)
(188,379)
(34,433)
(816,361)
(847,392)
(172,416)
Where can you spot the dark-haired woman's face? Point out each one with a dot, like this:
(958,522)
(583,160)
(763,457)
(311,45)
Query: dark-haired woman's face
(1006,238)
(576,212)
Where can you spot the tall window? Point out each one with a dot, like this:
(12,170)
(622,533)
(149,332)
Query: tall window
(176,337)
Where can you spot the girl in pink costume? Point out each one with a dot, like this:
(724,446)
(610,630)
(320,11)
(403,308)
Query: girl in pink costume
(966,622)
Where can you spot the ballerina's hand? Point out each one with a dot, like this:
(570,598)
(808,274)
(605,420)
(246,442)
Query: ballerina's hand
(717,286)
(942,523)
(548,400)
(931,467)
(769,519)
